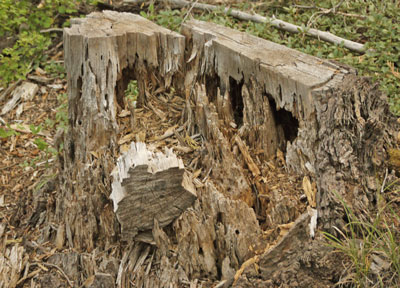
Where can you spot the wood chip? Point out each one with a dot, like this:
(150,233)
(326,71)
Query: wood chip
(25,92)
(149,185)
(310,191)
(247,157)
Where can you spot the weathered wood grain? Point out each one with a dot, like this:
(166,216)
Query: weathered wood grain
(103,52)
(149,186)
(248,98)
(333,126)
(255,78)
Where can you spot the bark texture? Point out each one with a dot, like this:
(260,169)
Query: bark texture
(256,105)
(103,52)
(334,126)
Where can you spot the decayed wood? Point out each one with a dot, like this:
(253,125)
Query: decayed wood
(331,115)
(295,260)
(148,186)
(250,162)
(275,87)
(25,92)
(12,264)
(280,24)
(249,99)
(103,52)
(251,74)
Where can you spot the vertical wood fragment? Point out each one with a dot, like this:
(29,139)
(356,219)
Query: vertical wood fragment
(102,53)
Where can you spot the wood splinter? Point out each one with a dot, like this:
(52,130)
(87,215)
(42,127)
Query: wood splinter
(149,185)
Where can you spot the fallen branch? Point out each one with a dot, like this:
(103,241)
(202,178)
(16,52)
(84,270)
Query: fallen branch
(10,88)
(321,35)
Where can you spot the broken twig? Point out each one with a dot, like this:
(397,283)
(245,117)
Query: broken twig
(61,271)
(289,27)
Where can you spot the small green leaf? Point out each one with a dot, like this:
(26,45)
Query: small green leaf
(41,144)
(35,129)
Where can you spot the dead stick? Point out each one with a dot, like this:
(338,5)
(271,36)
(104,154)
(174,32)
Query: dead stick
(289,27)
(61,271)
(245,152)
(326,11)
(5,93)
(30,275)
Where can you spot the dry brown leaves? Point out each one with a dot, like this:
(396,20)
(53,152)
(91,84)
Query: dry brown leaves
(23,167)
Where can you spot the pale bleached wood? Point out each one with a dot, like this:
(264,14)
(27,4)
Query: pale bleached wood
(277,23)
(149,186)
(103,52)
(26,91)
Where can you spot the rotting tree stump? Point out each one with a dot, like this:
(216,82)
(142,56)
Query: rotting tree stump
(333,126)
(251,100)
(102,53)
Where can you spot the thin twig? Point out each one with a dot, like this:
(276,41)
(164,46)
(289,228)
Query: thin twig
(190,10)
(289,27)
(336,12)
(51,30)
(30,275)
(384,181)
(8,167)
(61,271)
(323,12)
(305,7)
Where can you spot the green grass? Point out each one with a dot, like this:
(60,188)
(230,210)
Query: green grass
(373,248)
(374,23)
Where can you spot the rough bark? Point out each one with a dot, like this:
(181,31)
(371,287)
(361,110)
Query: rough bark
(251,101)
(102,53)
(334,127)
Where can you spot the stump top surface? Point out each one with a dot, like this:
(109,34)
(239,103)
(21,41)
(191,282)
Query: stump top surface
(111,23)
(304,69)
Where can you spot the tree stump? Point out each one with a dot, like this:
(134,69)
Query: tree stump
(334,127)
(256,105)
(103,52)
(315,110)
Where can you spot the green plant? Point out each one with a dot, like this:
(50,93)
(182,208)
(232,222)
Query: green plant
(62,112)
(373,248)
(17,61)
(42,145)
(55,70)
(374,23)
(5,133)
(132,91)
(23,20)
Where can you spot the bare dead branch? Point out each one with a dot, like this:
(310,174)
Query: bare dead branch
(289,27)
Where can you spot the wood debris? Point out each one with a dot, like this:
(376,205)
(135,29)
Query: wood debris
(25,92)
(149,185)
